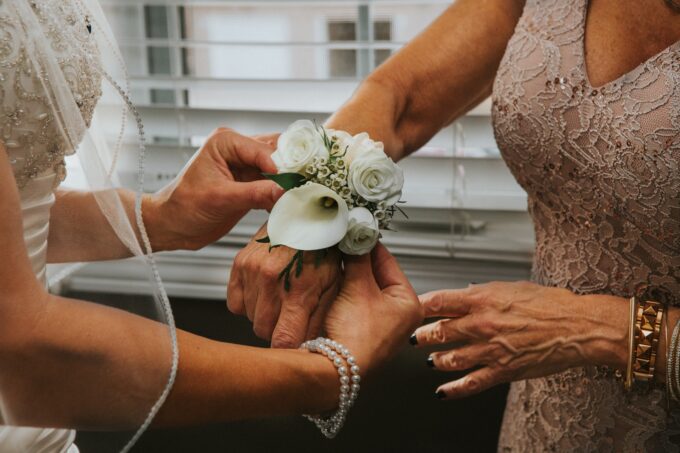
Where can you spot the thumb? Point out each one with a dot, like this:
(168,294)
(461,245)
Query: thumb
(253,195)
(386,268)
(358,268)
(237,149)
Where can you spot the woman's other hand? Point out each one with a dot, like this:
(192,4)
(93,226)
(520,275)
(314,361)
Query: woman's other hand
(286,317)
(510,331)
(375,310)
(220,184)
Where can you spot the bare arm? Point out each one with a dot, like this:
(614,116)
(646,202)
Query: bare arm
(87,366)
(220,185)
(507,331)
(71,363)
(437,77)
(440,75)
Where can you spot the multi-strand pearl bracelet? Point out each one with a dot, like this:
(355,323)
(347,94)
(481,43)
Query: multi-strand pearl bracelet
(348,370)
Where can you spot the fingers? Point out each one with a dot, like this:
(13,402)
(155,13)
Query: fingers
(291,328)
(319,314)
(254,195)
(463,358)
(449,330)
(236,148)
(250,295)
(471,384)
(265,315)
(386,268)
(447,302)
(235,294)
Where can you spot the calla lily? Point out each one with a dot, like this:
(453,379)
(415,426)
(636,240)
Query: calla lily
(310,217)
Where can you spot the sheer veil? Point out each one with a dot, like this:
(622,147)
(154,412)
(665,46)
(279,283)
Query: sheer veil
(81,132)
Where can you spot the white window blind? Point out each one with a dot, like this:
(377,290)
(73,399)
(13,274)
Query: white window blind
(258,65)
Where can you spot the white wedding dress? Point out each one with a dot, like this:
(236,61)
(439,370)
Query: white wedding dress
(36,152)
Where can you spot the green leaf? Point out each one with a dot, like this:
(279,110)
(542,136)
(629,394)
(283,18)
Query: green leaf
(264,240)
(298,264)
(286,180)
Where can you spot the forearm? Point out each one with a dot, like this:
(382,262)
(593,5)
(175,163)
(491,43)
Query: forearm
(87,366)
(436,78)
(79,231)
(222,382)
(608,319)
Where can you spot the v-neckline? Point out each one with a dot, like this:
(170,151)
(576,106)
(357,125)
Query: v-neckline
(584,64)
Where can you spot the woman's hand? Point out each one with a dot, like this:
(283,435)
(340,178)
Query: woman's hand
(375,310)
(513,331)
(286,318)
(214,191)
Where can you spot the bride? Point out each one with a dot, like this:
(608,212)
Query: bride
(70,364)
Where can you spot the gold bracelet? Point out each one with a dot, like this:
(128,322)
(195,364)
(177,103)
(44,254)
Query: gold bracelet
(628,382)
(647,332)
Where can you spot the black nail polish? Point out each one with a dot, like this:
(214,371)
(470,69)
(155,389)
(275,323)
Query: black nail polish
(430,362)
(440,395)
(413,340)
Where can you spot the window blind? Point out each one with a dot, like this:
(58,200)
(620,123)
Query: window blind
(258,65)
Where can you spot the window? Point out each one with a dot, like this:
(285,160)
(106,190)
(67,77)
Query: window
(258,66)
(343,62)
(346,62)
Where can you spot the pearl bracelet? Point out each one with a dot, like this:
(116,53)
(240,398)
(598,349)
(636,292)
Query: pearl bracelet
(349,383)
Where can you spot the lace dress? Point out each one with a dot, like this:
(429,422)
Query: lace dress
(601,167)
(36,151)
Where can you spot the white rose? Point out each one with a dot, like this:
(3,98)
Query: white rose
(298,146)
(362,233)
(358,145)
(375,177)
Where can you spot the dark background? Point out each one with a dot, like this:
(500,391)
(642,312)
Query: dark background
(396,410)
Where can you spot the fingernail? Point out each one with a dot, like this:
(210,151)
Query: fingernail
(430,362)
(473,283)
(413,340)
(277,191)
(440,395)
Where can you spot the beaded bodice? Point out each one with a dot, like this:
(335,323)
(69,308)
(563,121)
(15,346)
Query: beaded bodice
(27,122)
(601,167)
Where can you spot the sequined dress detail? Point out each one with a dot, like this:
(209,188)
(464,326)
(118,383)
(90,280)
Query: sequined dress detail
(36,149)
(601,167)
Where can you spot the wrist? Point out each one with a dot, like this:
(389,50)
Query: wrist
(325,378)
(155,212)
(608,317)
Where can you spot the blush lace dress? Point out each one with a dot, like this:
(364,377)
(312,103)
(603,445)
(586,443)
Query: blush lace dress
(601,166)
(36,151)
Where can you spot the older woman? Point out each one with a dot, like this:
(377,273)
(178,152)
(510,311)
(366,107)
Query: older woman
(586,111)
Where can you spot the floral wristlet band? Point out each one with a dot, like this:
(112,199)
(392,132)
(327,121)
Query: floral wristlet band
(340,190)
